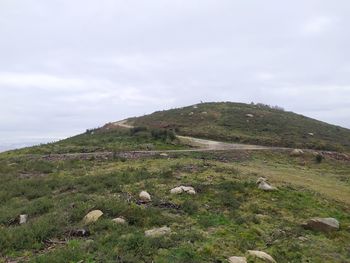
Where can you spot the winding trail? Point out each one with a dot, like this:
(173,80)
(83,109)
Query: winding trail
(196,144)
(204,144)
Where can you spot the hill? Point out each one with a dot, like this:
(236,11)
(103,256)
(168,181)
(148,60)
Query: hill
(249,123)
(237,199)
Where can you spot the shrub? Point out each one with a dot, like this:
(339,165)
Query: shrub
(319,158)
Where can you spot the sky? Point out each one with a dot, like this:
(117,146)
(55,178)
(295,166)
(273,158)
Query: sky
(66,66)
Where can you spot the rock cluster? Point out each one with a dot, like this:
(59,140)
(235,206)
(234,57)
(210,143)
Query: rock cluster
(183,189)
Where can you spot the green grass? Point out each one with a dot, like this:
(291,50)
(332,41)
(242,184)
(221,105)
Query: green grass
(228,216)
(100,140)
(227,121)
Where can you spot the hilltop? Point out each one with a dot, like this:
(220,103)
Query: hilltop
(249,123)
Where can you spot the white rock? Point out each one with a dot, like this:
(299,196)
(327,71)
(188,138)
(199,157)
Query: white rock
(183,189)
(23,219)
(191,113)
(262,255)
(92,216)
(145,197)
(322,224)
(164,154)
(119,220)
(157,232)
(296,152)
(311,133)
(176,190)
(250,115)
(266,187)
(237,260)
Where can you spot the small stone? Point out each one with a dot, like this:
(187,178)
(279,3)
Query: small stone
(237,260)
(164,154)
(191,113)
(296,152)
(266,187)
(119,220)
(158,232)
(302,239)
(145,197)
(311,134)
(250,115)
(92,216)
(322,224)
(23,219)
(262,255)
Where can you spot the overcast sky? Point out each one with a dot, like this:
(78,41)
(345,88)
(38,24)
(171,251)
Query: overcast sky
(66,66)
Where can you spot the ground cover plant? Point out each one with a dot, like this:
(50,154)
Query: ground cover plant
(228,216)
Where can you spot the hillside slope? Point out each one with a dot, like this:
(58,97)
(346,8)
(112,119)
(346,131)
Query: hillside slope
(248,123)
(56,186)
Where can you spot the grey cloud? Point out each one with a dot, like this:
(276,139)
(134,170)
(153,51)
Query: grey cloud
(70,65)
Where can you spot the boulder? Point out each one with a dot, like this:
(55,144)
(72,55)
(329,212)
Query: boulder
(158,232)
(296,152)
(23,219)
(262,255)
(183,189)
(92,216)
(119,220)
(145,197)
(322,224)
(237,260)
(266,187)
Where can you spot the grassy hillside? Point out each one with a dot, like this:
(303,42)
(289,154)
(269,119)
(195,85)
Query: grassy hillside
(114,140)
(56,185)
(245,123)
(228,216)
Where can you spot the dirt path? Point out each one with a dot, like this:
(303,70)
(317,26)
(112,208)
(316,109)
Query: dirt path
(204,144)
(198,145)
(210,145)
(122,124)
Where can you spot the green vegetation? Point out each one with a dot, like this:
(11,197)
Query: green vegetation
(249,123)
(227,216)
(114,140)
(57,184)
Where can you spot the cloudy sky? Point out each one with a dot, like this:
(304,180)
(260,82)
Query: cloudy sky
(70,65)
